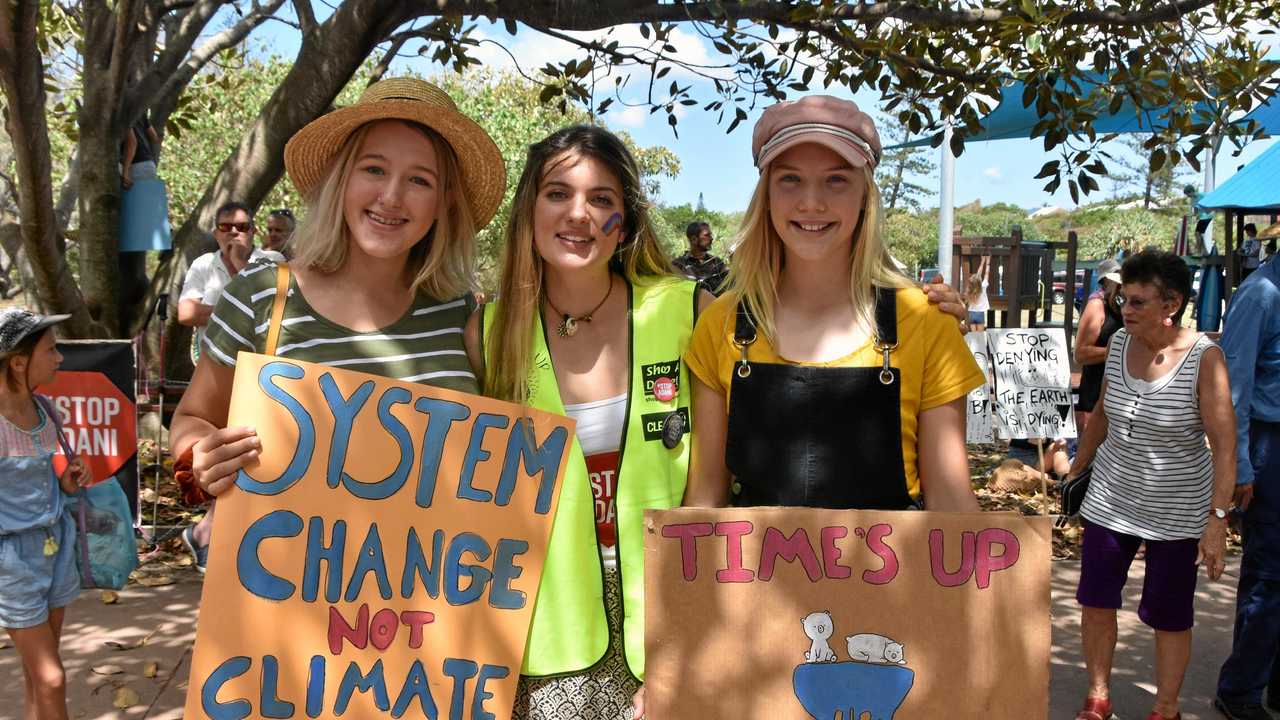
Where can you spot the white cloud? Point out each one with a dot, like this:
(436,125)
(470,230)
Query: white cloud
(993,173)
(632,117)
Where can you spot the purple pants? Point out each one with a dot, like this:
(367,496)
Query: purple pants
(1168,586)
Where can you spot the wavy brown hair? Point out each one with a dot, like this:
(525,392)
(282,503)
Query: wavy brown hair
(638,258)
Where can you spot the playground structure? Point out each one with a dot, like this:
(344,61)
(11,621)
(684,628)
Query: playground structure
(1020,278)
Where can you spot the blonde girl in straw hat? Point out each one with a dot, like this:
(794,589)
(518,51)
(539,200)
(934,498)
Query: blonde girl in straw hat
(396,187)
(822,377)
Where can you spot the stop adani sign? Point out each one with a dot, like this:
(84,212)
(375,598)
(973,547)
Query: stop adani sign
(98,420)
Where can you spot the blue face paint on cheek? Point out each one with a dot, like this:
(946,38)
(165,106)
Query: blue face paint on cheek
(614,221)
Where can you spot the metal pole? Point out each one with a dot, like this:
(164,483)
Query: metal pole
(946,204)
(162,311)
(1210,182)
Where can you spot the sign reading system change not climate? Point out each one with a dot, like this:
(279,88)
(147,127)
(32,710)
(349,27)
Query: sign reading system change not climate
(383,556)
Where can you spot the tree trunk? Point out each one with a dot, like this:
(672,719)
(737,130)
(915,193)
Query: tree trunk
(22,78)
(897,183)
(107,50)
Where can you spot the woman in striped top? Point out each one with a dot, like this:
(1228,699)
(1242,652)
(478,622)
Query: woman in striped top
(1155,481)
(396,186)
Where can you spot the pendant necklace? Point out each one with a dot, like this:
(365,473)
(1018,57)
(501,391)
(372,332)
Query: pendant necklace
(568,326)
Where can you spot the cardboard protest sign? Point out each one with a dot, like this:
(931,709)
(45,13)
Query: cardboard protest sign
(805,614)
(978,415)
(1032,383)
(383,556)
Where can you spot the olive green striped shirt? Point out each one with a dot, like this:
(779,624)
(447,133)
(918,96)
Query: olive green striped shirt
(425,345)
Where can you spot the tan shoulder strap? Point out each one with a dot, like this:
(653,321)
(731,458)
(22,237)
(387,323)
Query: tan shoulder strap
(277,307)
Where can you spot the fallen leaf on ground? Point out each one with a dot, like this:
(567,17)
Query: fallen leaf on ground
(110,597)
(125,697)
(156,580)
(133,645)
(151,669)
(107,669)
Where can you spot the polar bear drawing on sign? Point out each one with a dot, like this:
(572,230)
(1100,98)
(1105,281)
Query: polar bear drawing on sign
(818,627)
(877,649)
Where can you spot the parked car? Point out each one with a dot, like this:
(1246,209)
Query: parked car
(1060,288)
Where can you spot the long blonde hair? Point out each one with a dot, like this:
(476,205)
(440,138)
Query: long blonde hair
(756,265)
(638,258)
(975,288)
(441,264)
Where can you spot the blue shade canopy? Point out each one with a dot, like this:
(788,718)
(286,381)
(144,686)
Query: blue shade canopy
(1267,115)
(1255,186)
(1011,120)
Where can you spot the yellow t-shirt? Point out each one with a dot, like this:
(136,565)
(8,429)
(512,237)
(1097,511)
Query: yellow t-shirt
(936,366)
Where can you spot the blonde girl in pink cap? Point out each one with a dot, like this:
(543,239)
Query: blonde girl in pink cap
(823,378)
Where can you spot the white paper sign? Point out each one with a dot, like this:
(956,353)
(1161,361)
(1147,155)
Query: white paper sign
(978,423)
(1032,383)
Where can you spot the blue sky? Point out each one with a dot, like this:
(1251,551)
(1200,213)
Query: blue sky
(719,165)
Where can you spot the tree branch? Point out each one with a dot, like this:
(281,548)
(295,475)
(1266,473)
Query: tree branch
(68,193)
(397,42)
(177,45)
(306,16)
(167,94)
(595,16)
(22,80)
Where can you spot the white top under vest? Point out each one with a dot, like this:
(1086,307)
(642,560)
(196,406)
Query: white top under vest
(1153,473)
(599,429)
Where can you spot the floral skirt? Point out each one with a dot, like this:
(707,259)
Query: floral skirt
(601,693)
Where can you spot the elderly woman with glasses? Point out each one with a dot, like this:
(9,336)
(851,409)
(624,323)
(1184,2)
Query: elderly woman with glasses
(1155,481)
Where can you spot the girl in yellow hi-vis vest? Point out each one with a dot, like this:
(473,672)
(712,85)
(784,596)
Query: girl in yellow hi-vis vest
(591,323)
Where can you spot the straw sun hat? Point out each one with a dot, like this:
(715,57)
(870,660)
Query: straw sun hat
(308,154)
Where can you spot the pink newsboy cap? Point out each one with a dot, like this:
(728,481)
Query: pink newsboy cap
(829,121)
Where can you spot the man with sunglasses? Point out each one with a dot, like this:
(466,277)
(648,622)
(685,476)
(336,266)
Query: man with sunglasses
(207,276)
(211,272)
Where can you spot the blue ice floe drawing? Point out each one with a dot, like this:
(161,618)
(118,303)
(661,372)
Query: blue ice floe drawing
(875,681)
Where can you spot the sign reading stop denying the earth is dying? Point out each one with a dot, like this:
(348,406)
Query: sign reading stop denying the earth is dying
(805,614)
(383,556)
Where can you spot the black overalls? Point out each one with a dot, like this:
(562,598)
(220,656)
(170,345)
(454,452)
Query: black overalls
(828,437)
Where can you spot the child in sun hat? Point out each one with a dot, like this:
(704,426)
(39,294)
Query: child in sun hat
(38,575)
(823,378)
(396,186)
